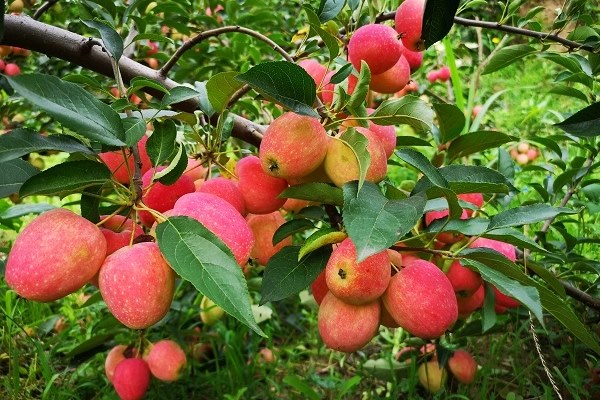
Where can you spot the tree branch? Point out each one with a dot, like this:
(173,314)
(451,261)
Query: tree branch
(43,8)
(24,32)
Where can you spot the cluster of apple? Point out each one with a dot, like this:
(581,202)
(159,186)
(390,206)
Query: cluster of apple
(8,65)
(130,372)
(523,153)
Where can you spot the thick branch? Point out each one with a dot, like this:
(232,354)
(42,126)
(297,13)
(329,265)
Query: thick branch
(22,31)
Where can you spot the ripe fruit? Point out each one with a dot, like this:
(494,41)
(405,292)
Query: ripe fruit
(315,70)
(385,133)
(116,163)
(432,76)
(357,282)
(114,357)
(12,69)
(432,376)
(2,65)
(522,159)
(474,198)
(259,190)
(409,23)
(346,327)
(267,355)
(137,285)
(263,227)
(55,255)
(392,80)
(505,301)
(466,305)
(293,146)
(444,74)
(166,360)
(532,154)
(385,318)
(295,205)
(221,218)
(131,378)
(476,110)
(421,299)
(117,231)
(152,48)
(463,366)
(319,287)
(342,166)
(210,313)
(377,45)
(195,170)
(507,250)
(464,280)
(227,190)
(414,58)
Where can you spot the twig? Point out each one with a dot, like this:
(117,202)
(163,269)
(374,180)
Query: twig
(43,8)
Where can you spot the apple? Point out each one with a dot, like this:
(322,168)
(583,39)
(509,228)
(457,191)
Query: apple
(55,255)
(131,378)
(319,287)
(357,282)
(466,305)
(476,110)
(166,360)
(263,227)
(5,51)
(2,65)
(210,313)
(153,48)
(523,147)
(221,218)
(16,6)
(260,190)
(195,170)
(431,376)
(115,161)
(522,159)
(443,74)
(227,190)
(414,58)
(392,80)
(117,231)
(386,319)
(347,327)
(445,237)
(532,154)
(432,76)
(12,69)
(421,299)
(315,70)
(18,51)
(295,205)
(409,23)
(377,45)
(115,356)
(464,280)
(463,366)
(505,301)
(506,249)
(137,285)
(266,355)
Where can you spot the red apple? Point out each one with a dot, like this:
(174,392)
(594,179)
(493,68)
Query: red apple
(466,305)
(392,80)
(131,378)
(12,69)
(227,190)
(263,227)
(114,357)
(377,45)
(115,161)
(319,287)
(444,74)
(315,70)
(409,22)
(117,231)
(463,366)
(260,190)
(166,360)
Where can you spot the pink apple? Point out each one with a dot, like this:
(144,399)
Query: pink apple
(409,23)
(392,80)
(263,227)
(377,45)
(121,171)
(166,360)
(131,378)
(260,190)
(12,69)
(463,366)
(444,74)
(227,190)
(464,280)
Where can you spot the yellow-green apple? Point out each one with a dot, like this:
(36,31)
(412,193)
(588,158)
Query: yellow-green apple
(421,299)
(409,23)
(347,327)
(166,360)
(293,146)
(259,189)
(263,227)
(319,287)
(466,305)
(55,255)
(11,69)
(377,45)
(431,376)
(210,313)
(342,166)
(131,378)
(392,80)
(357,282)
(121,170)
(464,280)
(463,366)
(115,356)
(221,218)
(137,285)
(227,190)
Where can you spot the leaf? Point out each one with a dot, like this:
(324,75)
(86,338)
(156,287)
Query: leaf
(161,144)
(507,56)
(175,169)
(72,106)
(409,110)
(139,82)
(285,275)
(320,238)
(469,179)
(484,109)
(90,203)
(584,123)
(469,227)
(475,142)
(411,141)
(285,83)
(290,227)
(179,94)
(20,210)
(514,237)
(220,87)
(564,90)
(305,389)
(451,121)
(357,142)
(329,9)
(22,141)
(420,162)
(330,41)
(201,258)
(438,19)
(110,38)
(342,74)
(375,223)
(362,87)
(525,215)
(315,191)
(66,178)
(135,129)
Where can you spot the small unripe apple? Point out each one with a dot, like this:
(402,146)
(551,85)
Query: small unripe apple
(166,360)
(431,376)
(210,313)
(409,23)
(131,378)
(377,45)
(463,366)
(12,69)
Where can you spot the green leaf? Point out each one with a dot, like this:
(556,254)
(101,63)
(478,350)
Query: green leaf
(315,191)
(584,123)
(375,223)
(135,129)
(304,388)
(155,37)
(514,237)
(285,275)
(507,56)
(411,141)
(329,9)
(409,110)
(175,169)
(469,227)
(20,210)
(362,87)
(22,141)
(290,227)
(342,74)
(66,178)
(220,87)
(475,142)
(469,179)
(90,203)
(179,94)
(139,82)
(438,19)
(357,142)
(330,41)
(525,215)
(320,238)
(72,106)
(110,38)
(285,83)
(161,144)
(451,121)
(420,162)
(200,257)
(13,174)
(564,90)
